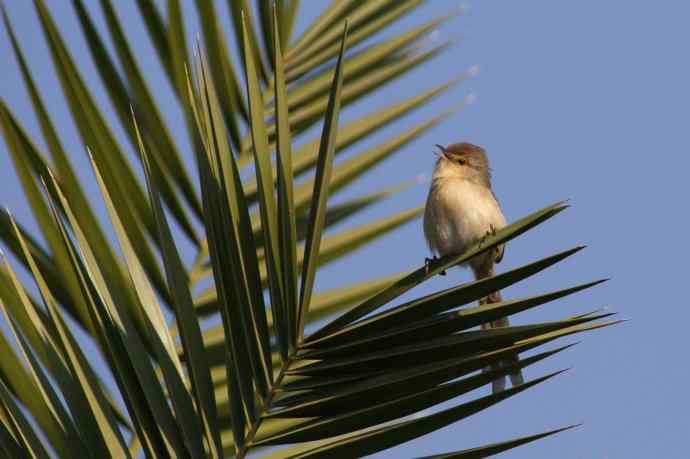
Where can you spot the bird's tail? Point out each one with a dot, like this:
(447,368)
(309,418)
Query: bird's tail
(516,378)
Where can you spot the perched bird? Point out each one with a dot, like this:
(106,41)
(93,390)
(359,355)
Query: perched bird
(461,210)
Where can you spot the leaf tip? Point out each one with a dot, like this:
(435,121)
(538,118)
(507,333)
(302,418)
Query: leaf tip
(564,347)
(51,176)
(563,429)
(89,153)
(563,204)
(571,427)
(534,382)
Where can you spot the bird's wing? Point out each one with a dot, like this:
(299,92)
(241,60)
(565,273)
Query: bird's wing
(500,250)
(429,230)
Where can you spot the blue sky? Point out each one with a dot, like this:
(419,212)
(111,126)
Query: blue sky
(582,100)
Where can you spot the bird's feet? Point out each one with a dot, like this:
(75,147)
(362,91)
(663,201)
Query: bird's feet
(427,265)
(491,232)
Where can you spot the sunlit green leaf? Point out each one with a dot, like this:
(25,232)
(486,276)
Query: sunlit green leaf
(317,212)
(30,443)
(190,331)
(224,257)
(437,266)
(267,199)
(305,62)
(224,75)
(225,370)
(287,236)
(122,343)
(386,437)
(168,162)
(440,301)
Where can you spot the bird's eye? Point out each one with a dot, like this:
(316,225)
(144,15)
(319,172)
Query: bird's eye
(462,161)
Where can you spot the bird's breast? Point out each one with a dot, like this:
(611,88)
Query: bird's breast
(458,213)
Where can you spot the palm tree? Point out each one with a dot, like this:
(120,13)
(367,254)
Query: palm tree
(330,374)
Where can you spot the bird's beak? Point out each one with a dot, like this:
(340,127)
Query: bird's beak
(443,151)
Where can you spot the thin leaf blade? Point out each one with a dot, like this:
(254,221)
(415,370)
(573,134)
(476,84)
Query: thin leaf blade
(323,172)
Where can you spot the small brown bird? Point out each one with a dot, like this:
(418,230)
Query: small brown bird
(461,209)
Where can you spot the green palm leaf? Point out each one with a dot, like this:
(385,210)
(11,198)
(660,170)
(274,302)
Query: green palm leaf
(286,202)
(358,445)
(490,450)
(190,331)
(239,350)
(317,213)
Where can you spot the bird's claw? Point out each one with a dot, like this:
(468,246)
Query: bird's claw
(491,232)
(427,265)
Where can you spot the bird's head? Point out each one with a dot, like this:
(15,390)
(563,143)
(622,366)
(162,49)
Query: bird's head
(465,161)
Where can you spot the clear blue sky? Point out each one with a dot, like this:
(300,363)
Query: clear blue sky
(584,100)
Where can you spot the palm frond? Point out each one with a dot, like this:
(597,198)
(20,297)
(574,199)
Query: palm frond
(240,351)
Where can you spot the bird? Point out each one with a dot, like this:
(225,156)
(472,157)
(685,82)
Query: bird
(461,210)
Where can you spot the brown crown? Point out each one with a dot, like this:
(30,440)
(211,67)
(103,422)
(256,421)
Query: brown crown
(474,153)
